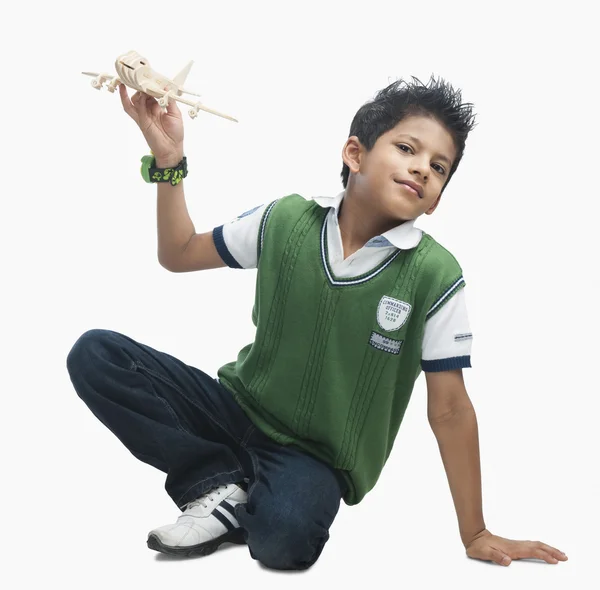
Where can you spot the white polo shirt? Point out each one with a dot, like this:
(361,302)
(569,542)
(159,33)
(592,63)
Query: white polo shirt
(447,338)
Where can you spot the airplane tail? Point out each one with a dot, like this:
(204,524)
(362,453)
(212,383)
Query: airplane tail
(180,78)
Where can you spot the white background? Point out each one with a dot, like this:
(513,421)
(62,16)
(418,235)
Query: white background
(79,251)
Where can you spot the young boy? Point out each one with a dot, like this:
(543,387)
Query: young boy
(352,302)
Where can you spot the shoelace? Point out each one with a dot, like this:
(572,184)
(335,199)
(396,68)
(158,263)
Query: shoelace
(201,501)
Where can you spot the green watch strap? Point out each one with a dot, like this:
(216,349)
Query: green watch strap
(151,173)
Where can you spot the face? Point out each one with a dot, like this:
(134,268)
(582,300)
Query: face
(417,149)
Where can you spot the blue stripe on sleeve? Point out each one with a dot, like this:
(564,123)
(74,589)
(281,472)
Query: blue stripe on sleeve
(222,249)
(457,362)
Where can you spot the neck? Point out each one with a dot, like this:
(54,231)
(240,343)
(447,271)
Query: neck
(358,224)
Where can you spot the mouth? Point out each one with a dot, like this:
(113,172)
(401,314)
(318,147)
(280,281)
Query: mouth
(410,188)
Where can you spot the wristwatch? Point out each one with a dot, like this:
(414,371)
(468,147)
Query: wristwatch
(150,173)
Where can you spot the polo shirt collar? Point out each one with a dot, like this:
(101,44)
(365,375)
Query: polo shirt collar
(404,236)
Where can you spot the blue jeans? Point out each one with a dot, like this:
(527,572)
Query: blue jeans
(185,423)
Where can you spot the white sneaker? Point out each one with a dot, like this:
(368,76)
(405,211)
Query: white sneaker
(206,522)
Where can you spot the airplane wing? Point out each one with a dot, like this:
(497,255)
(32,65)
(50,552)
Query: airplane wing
(100,79)
(184,91)
(197,106)
(165,96)
(104,75)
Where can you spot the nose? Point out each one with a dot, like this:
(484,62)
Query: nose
(420,168)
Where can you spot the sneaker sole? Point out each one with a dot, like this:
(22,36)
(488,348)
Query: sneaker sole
(236,536)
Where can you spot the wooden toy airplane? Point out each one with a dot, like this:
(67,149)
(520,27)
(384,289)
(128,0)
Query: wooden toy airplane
(134,71)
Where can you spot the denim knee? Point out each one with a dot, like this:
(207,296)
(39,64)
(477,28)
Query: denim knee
(284,543)
(95,337)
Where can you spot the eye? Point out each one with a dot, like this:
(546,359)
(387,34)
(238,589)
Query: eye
(401,145)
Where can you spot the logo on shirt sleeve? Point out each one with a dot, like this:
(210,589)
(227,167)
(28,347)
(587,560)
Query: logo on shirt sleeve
(463,337)
(247,213)
(392,313)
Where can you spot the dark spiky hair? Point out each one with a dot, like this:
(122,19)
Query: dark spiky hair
(404,99)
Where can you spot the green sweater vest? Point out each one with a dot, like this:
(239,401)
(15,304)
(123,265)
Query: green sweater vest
(334,361)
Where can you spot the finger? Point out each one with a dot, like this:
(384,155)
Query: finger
(172,107)
(144,108)
(153,107)
(544,556)
(533,549)
(498,556)
(136,99)
(544,552)
(126,102)
(556,553)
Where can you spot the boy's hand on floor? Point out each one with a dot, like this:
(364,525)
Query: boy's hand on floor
(490,547)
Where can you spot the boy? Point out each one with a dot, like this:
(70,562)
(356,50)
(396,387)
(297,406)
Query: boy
(352,302)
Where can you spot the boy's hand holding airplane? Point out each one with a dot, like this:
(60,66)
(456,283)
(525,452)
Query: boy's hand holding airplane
(163,130)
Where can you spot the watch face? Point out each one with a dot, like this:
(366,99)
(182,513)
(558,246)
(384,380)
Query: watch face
(147,162)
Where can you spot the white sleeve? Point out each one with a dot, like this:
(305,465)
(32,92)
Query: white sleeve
(237,241)
(447,339)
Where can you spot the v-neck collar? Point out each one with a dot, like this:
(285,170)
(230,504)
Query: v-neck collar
(333,280)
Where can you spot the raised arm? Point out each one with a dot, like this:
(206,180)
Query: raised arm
(180,248)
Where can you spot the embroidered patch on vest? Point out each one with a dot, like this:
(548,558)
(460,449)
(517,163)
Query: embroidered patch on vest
(384,343)
(461,337)
(392,313)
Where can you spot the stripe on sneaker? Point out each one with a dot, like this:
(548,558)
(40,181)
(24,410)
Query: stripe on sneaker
(227,506)
(223,520)
(230,517)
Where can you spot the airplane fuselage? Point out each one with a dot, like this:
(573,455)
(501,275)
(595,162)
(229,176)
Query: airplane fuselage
(136,72)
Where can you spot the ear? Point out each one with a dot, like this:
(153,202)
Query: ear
(351,153)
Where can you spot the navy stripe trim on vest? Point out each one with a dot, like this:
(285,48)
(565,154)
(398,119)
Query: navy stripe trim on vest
(223,520)
(457,362)
(263,224)
(222,249)
(351,280)
(445,296)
